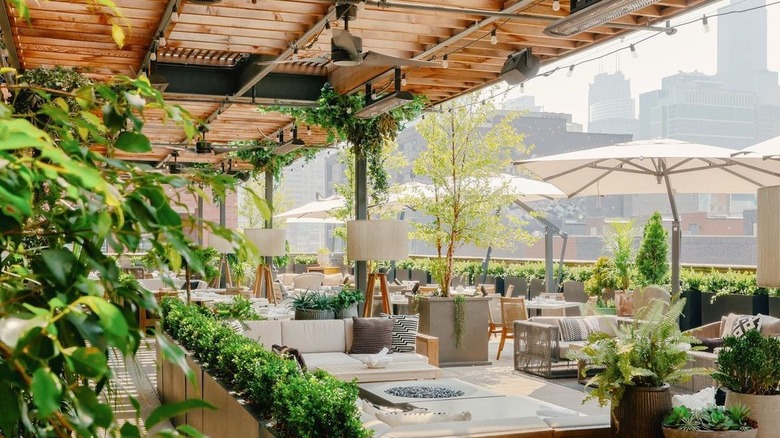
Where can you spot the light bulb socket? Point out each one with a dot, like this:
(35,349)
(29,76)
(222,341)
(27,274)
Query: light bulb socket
(634,53)
(493,37)
(556,6)
(445,62)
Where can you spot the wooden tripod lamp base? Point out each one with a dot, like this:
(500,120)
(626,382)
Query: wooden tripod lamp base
(373,277)
(263,277)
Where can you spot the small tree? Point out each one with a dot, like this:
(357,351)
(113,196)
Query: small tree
(468,148)
(652,261)
(619,240)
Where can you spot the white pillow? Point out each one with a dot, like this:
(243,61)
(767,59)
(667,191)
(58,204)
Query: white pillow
(699,400)
(403,418)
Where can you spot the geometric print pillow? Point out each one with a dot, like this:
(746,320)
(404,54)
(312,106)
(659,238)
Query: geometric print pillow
(743,324)
(577,329)
(404,332)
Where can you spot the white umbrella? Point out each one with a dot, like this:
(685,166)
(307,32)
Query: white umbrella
(766,149)
(314,220)
(319,209)
(655,166)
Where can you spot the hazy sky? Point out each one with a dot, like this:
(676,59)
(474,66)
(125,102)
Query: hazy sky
(690,49)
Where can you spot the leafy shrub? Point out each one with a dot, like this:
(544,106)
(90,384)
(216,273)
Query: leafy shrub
(311,299)
(601,277)
(346,297)
(527,270)
(497,269)
(404,264)
(240,308)
(749,364)
(579,273)
(652,260)
(305,259)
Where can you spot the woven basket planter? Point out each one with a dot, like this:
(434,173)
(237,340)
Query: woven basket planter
(314,314)
(677,433)
(640,412)
(347,313)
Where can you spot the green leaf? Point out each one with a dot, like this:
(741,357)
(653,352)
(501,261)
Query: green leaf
(111,318)
(169,410)
(190,431)
(89,361)
(129,430)
(18,133)
(46,391)
(59,263)
(173,354)
(129,141)
(10,413)
(118,35)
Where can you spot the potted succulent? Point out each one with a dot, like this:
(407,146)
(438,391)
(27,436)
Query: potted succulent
(634,368)
(311,304)
(345,303)
(710,422)
(749,368)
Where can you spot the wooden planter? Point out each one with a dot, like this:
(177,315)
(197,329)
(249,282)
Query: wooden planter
(437,318)
(403,274)
(194,417)
(691,317)
(732,303)
(640,412)
(677,433)
(420,276)
(763,408)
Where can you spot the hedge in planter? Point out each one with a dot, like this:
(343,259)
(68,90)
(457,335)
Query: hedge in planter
(301,403)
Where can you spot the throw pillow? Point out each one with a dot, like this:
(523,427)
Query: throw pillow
(577,329)
(290,353)
(404,332)
(393,419)
(370,335)
(236,326)
(710,344)
(770,326)
(745,323)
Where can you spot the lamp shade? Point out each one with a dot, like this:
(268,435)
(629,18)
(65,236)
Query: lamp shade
(768,237)
(377,240)
(222,246)
(269,242)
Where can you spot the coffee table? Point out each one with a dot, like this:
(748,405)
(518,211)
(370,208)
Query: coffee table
(375,392)
(496,408)
(393,371)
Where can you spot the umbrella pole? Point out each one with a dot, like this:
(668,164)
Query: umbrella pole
(550,229)
(676,238)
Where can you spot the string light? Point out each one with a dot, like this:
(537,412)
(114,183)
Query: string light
(403,80)
(634,53)
(308,130)
(163,42)
(704,24)
(175,14)
(153,55)
(493,37)
(361,5)
(445,62)
(556,5)
(571,71)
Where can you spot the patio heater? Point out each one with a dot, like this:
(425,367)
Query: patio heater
(269,243)
(223,247)
(377,240)
(768,237)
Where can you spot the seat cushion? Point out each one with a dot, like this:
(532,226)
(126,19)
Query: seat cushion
(370,335)
(316,360)
(770,325)
(532,426)
(267,333)
(577,329)
(314,336)
(397,357)
(405,418)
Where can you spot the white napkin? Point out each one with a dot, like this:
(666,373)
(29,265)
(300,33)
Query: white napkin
(379,358)
(555,411)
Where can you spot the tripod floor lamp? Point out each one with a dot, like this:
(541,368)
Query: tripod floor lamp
(269,243)
(223,247)
(377,240)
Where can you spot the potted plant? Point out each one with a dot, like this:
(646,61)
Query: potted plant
(345,303)
(311,304)
(652,260)
(710,422)
(323,256)
(634,368)
(619,240)
(600,286)
(749,369)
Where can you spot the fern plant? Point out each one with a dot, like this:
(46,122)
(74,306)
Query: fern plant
(647,353)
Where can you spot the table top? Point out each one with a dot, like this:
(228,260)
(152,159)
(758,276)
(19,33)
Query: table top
(393,371)
(531,304)
(496,408)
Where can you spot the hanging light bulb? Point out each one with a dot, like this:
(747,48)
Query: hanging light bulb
(571,71)
(295,54)
(705,24)
(308,130)
(634,53)
(361,5)
(163,42)
(403,80)
(556,5)
(493,37)
(175,14)
(522,87)
(153,56)
(445,63)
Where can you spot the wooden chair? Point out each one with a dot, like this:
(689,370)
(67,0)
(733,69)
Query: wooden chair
(147,318)
(495,327)
(512,309)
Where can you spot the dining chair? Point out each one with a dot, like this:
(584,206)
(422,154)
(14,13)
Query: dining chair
(509,290)
(512,309)
(309,280)
(147,318)
(495,327)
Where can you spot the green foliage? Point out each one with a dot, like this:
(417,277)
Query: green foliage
(263,158)
(162,256)
(302,404)
(652,260)
(282,261)
(346,297)
(468,148)
(749,364)
(497,269)
(63,195)
(734,417)
(619,240)
(460,319)
(579,273)
(527,270)
(648,352)
(601,277)
(404,264)
(692,280)
(311,299)
(305,259)
(240,308)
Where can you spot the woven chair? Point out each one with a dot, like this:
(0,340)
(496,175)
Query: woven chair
(310,280)
(495,327)
(512,309)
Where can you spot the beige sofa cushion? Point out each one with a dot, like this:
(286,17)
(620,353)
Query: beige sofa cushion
(315,336)
(267,333)
(332,280)
(397,357)
(533,426)
(579,422)
(317,360)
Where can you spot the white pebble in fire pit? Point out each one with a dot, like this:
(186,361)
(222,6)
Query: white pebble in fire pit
(424,392)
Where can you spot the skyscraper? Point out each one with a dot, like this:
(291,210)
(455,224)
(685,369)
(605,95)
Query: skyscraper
(610,106)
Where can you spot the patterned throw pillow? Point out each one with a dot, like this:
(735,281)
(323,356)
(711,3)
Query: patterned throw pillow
(290,353)
(370,335)
(745,323)
(236,325)
(577,329)
(404,332)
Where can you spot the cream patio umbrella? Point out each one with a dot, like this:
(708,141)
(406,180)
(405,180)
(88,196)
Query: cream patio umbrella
(655,166)
(322,208)
(769,149)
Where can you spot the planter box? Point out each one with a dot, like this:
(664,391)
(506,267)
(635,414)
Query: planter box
(420,276)
(520,284)
(194,417)
(733,303)
(175,384)
(490,279)
(215,420)
(774,306)
(437,318)
(299,268)
(500,285)
(691,317)
(403,274)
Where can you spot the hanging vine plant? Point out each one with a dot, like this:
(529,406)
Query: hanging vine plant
(460,319)
(334,112)
(263,159)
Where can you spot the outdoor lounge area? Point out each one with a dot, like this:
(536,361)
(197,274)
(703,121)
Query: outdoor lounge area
(373,218)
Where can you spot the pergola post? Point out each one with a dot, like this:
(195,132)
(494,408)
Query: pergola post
(269,199)
(361,212)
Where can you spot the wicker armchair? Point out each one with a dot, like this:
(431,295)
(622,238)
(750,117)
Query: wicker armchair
(538,348)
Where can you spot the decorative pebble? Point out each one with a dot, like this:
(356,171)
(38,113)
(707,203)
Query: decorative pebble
(423,392)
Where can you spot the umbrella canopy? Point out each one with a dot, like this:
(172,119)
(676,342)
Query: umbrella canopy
(655,166)
(529,190)
(314,220)
(766,149)
(319,209)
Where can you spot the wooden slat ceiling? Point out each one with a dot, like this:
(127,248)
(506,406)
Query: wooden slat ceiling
(233,34)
